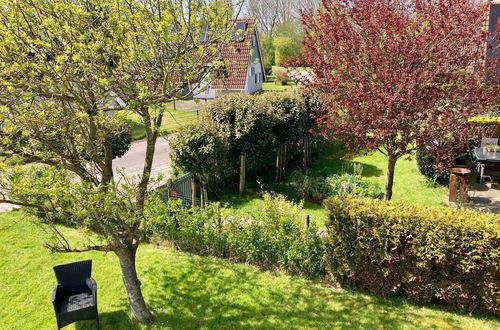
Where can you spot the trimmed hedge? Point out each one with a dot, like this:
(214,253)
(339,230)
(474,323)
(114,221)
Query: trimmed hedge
(257,125)
(429,254)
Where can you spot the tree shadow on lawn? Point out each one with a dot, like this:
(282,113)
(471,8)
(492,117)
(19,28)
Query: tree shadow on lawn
(331,162)
(111,320)
(213,293)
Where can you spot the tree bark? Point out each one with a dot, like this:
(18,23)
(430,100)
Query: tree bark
(390,177)
(133,286)
(193,193)
(283,167)
(305,152)
(243,167)
(205,193)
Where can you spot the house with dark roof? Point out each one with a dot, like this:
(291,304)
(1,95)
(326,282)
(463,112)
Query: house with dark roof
(244,72)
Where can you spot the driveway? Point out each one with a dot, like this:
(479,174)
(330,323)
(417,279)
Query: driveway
(132,162)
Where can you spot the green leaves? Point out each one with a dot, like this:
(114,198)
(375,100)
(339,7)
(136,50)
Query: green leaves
(426,253)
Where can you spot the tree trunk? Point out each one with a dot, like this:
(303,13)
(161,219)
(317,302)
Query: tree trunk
(193,193)
(283,167)
(133,286)
(305,152)
(205,192)
(309,153)
(243,168)
(390,177)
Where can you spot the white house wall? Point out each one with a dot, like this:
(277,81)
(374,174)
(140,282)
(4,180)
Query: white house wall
(254,69)
(203,91)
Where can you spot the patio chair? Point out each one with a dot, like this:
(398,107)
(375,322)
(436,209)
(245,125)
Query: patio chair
(488,141)
(491,170)
(75,296)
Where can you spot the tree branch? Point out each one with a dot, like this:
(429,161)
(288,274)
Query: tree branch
(104,248)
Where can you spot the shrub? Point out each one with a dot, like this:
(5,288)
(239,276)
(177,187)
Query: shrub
(271,238)
(282,77)
(319,188)
(254,124)
(428,166)
(425,253)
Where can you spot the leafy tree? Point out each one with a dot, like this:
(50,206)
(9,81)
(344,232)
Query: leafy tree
(287,42)
(266,45)
(62,63)
(399,75)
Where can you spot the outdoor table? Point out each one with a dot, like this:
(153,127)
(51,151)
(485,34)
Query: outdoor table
(482,156)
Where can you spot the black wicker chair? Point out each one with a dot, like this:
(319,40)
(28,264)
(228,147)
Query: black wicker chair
(75,296)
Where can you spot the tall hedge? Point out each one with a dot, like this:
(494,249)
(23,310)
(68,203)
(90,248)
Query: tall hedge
(256,125)
(428,254)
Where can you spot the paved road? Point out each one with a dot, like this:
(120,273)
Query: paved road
(132,162)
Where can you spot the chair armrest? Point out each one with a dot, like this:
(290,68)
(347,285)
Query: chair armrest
(55,292)
(92,285)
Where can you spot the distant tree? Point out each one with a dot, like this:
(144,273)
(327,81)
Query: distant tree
(399,75)
(266,45)
(287,42)
(271,14)
(62,63)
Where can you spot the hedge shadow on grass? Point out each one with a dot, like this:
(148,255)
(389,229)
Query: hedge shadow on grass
(216,294)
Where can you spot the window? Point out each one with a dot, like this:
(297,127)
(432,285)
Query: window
(252,71)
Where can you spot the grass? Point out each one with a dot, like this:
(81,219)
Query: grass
(190,292)
(272,85)
(410,185)
(172,121)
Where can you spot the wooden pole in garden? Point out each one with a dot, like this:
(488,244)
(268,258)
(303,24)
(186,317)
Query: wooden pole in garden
(284,161)
(193,193)
(243,167)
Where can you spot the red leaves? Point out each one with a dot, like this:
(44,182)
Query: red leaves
(399,74)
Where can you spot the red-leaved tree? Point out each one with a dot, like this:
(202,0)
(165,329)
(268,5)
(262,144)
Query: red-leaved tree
(399,75)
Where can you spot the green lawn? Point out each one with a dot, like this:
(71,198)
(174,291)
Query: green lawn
(172,121)
(273,86)
(409,184)
(190,292)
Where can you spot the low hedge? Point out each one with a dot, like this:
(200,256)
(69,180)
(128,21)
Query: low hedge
(429,254)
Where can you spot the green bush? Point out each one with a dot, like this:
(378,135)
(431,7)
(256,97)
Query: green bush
(319,188)
(427,165)
(274,238)
(254,124)
(282,78)
(429,254)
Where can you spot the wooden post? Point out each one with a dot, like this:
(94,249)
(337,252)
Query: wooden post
(308,221)
(309,149)
(202,200)
(174,105)
(243,166)
(278,163)
(305,152)
(193,193)
(205,192)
